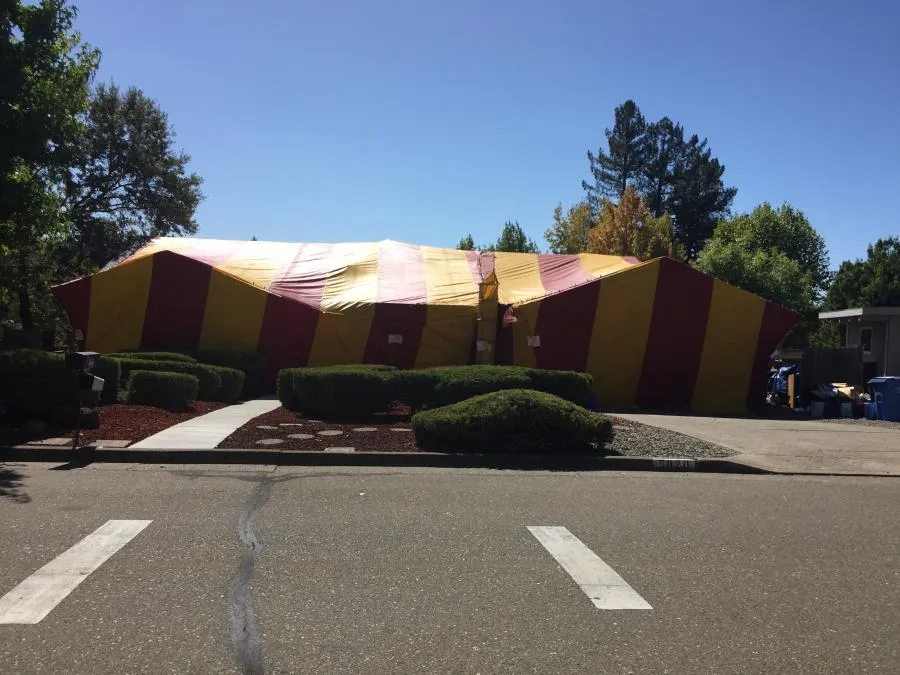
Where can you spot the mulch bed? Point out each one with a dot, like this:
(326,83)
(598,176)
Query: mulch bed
(119,421)
(384,438)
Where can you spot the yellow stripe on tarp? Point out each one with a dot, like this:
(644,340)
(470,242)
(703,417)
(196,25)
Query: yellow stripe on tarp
(729,349)
(619,335)
(348,305)
(519,276)
(452,309)
(118,304)
(602,265)
(447,336)
(448,277)
(259,262)
(173,244)
(234,314)
(524,328)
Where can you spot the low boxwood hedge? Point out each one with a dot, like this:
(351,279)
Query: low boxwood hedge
(232,384)
(252,365)
(173,391)
(210,381)
(337,394)
(156,356)
(512,421)
(427,388)
(36,383)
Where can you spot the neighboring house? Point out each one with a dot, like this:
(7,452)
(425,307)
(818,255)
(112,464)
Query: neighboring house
(877,331)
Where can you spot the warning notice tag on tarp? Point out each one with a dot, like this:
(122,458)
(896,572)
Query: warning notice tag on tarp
(534,340)
(483,346)
(395,339)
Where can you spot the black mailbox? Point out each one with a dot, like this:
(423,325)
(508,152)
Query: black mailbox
(83,361)
(88,382)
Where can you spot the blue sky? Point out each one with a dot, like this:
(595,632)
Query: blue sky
(422,120)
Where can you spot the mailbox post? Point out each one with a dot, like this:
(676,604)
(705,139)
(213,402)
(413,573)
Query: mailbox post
(81,364)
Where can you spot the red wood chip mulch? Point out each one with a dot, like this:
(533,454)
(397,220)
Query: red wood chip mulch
(384,438)
(121,421)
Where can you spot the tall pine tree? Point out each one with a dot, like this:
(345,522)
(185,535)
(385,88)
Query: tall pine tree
(615,170)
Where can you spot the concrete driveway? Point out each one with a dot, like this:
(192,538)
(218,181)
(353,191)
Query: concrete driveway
(790,446)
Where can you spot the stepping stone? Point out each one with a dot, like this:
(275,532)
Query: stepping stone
(301,437)
(401,430)
(269,441)
(290,424)
(366,429)
(52,441)
(267,427)
(112,444)
(331,432)
(341,450)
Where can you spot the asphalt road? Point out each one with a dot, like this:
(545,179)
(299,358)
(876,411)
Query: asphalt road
(258,569)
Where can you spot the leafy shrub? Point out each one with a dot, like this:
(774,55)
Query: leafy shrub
(156,356)
(210,382)
(335,394)
(567,384)
(512,421)
(252,365)
(36,383)
(173,391)
(232,384)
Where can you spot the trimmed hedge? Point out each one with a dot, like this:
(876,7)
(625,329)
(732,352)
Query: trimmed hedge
(252,365)
(512,421)
(337,394)
(36,383)
(173,391)
(210,382)
(300,388)
(156,356)
(232,384)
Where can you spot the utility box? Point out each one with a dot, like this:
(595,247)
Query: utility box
(81,361)
(88,382)
(885,393)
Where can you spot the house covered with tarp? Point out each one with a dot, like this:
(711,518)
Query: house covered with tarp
(654,335)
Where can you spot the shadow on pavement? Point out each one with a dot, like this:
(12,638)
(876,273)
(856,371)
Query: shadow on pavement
(11,486)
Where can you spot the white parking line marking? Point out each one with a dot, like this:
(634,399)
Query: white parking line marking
(35,598)
(599,581)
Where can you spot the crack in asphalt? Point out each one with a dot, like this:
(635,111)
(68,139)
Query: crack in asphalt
(245,639)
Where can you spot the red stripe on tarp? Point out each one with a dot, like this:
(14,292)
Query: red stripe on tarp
(75,297)
(776,323)
(303,280)
(287,333)
(675,341)
(481,264)
(559,272)
(211,254)
(564,325)
(631,259)
(400,311)
(176,303)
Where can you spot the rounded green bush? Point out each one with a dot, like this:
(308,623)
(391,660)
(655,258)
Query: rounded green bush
(339,395)
(251,364)
(512,421)
(173,391)
(210,380)
(232,383)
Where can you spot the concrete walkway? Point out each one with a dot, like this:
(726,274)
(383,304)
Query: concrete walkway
(207,431)
(794,446)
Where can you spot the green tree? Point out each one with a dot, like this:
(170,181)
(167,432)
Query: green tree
(126,183)
(873,282)
(569,232)
(699,198)
(665,150)
(620,166)
(466,243)
(775,253)
(513,240)
(45,73)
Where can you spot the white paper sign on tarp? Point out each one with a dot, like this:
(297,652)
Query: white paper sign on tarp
(483,346)
(395,339)
(534,340)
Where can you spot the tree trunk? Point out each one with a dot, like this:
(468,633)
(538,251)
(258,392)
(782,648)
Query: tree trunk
(25,308)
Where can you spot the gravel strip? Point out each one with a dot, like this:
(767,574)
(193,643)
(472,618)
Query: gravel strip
(641,440)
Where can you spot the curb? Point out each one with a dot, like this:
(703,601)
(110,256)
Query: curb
(89,454)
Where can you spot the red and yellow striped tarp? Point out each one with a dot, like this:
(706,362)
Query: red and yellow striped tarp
(657,334)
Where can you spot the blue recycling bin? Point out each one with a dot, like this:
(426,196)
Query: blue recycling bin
(885,393)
